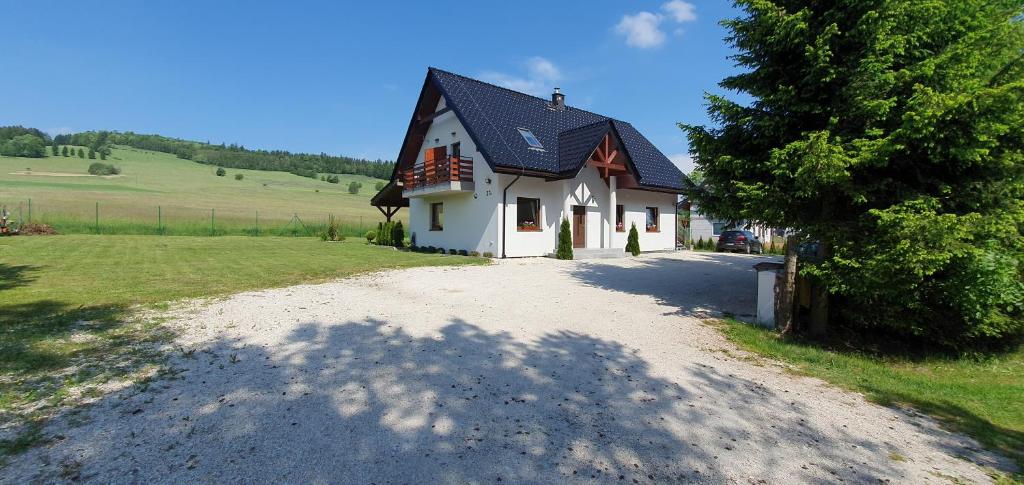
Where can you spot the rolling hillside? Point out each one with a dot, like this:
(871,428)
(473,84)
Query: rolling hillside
(62,193)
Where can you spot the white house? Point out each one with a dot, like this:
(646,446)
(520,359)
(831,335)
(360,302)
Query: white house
(487,169)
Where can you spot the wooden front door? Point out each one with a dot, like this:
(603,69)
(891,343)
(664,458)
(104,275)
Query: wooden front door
(579,226)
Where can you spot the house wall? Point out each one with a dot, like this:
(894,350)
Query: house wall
(470,219)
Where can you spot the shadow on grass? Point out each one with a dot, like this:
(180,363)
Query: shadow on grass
(13,276)
(364,401)
(38,336)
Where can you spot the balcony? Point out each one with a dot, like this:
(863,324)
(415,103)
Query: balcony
(438,176)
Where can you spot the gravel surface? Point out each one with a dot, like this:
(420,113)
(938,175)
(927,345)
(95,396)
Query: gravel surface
(530,370)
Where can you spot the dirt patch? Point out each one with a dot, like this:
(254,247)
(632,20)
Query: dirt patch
(61,174)
(36,229)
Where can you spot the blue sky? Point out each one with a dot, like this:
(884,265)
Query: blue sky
(342,77)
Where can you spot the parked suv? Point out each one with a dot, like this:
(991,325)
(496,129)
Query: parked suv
(741,241)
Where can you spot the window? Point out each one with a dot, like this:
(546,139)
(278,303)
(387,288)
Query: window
(528,214)
(652,219)
(717,227)
(620,218)
(437,216)
(530,139)
(456,150)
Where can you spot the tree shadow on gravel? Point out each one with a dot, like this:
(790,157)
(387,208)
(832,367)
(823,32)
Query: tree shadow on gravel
(704,285)
(366,402)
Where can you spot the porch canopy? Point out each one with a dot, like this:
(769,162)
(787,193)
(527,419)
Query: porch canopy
(389,200)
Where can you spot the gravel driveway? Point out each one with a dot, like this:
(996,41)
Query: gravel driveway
(530,370)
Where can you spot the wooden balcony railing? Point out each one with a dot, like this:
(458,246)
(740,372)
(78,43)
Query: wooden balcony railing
(433,172)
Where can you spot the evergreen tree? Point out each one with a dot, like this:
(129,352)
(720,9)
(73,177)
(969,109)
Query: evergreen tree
(103,155)
(888,131)
(633,241)
(398,235)
(64,151)
(92,154)
(564,249)
(54,150)
(81,153)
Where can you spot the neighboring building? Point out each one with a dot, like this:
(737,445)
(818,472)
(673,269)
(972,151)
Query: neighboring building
(706,228)
(488,169)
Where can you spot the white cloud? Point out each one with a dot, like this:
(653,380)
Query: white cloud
(642,30)
(684,161)
(541,77)
(681,11)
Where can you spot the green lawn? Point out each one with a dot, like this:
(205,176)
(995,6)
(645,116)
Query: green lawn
(67,303)
(981,397)
(160,190)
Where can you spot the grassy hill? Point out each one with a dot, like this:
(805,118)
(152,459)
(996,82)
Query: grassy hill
(63,194)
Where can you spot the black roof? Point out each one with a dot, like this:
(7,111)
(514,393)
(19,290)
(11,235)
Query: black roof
(492,115)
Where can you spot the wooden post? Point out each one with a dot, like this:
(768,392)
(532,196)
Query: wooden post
(159,220)
(257,222)
(97,218)
(212,211)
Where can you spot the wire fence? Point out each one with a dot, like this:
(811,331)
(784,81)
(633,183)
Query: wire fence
(120,218)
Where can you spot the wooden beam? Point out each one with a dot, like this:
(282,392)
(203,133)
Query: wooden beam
(431,116)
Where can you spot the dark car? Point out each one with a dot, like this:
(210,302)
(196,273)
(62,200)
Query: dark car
(739,241)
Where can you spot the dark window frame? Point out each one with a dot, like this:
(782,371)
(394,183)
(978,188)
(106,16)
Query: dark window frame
(657,215)
(520,203)
(437,216)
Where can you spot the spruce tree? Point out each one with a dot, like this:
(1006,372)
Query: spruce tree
(64,151)
(54,150)
(633,241)
(92,154)
(398,235)
(81,153)
(890,132)
(564,248)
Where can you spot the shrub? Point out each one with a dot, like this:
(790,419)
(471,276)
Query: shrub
(564,248)
(64,151)
(440,251)
(370,236)
(332,179)
(453,252)
(81,153)
(221,172)
(353,187)
(430,249)
(92,154)
(700,244)
(99,168)
(379,186)
(633,241)
(488,254)
(239,176)
(397,234)
(463,252)
(474,254)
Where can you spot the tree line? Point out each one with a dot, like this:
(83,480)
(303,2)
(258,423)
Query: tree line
(18,141)
(235,156)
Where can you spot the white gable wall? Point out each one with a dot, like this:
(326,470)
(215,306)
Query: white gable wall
(470,219)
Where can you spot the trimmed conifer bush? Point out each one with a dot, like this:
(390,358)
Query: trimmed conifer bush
(564,249)
(633,241)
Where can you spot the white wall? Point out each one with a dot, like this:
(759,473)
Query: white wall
(470,219)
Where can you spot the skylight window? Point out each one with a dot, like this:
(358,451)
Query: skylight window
(530,139)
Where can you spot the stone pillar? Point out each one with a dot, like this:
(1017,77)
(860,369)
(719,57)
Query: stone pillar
(612,189)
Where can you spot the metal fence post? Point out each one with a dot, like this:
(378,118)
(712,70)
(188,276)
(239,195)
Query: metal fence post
(30,211)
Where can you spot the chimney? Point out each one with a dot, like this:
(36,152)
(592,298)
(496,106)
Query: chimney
(557,100)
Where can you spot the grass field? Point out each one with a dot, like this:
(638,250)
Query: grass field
(983,398)
(158,190)
(67,311)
